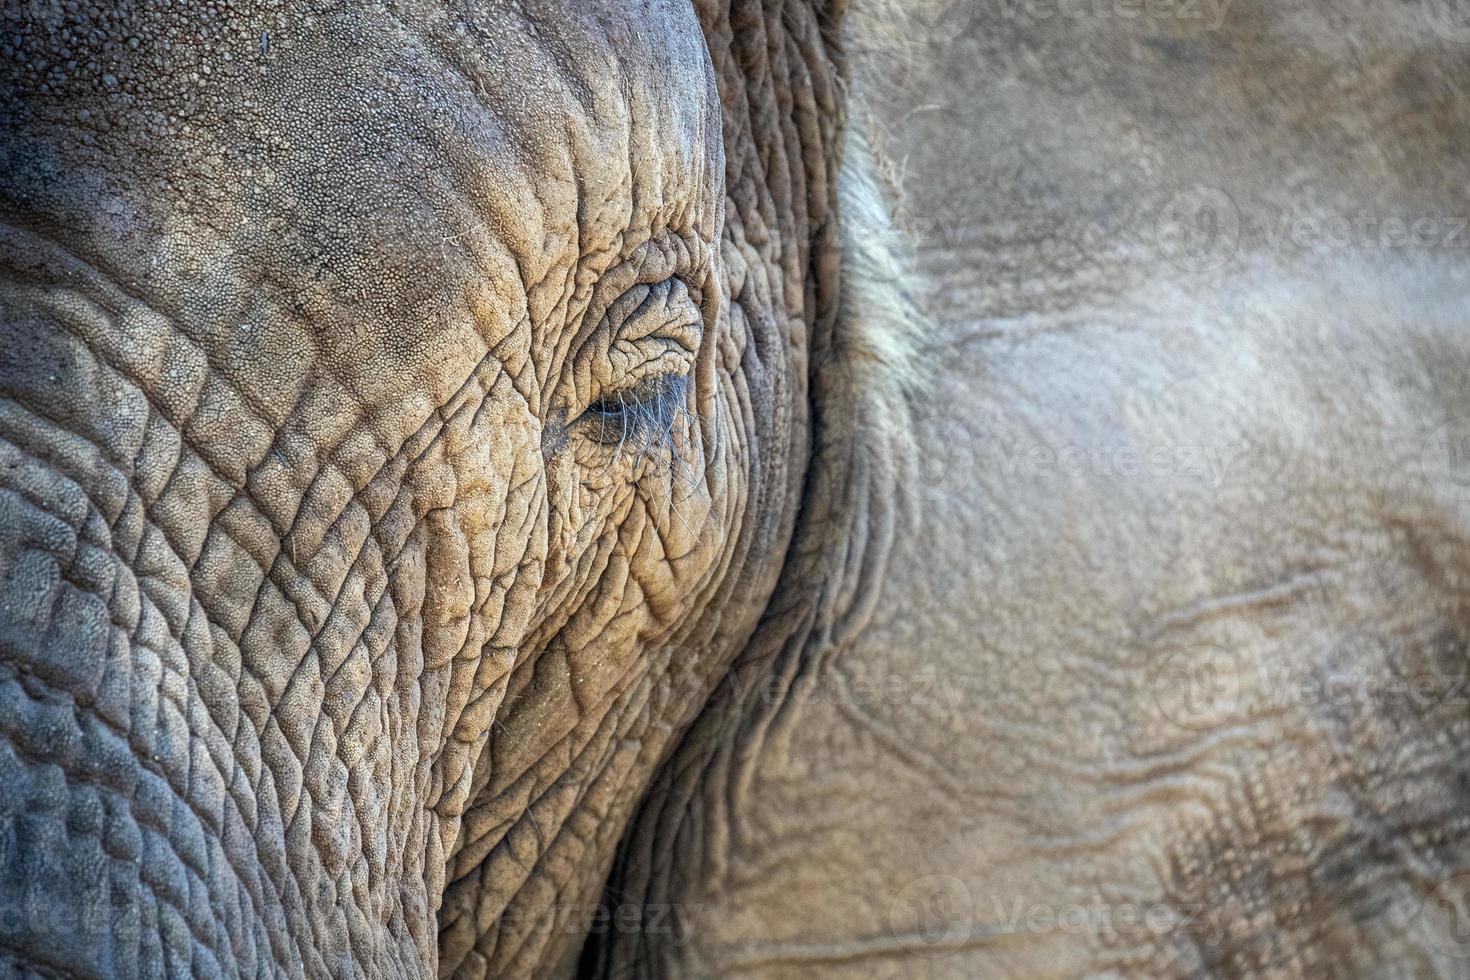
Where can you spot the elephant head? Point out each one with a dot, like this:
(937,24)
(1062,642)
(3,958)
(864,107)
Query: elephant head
(405,413)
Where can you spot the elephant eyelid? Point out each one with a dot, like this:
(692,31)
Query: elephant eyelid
(641,417)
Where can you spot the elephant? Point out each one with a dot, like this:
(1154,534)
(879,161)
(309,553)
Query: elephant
(407,414)
(1167,675)
(502,489)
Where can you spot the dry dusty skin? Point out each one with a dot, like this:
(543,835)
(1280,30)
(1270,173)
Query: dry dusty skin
(1170,678)
(1107,620)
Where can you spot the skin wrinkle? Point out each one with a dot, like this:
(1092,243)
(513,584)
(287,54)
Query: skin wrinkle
(369,380)
(137,641)
(154,407)
(161,829)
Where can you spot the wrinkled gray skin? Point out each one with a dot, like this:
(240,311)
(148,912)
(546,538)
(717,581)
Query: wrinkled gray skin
(331,611)
(344,622)
(1001,771)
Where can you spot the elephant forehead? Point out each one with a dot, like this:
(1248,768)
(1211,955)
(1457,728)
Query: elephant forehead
(386,195)
(557,135)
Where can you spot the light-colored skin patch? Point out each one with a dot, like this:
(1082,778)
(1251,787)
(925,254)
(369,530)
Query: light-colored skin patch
(1170,678)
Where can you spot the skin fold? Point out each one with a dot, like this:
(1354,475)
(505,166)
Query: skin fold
(731,488)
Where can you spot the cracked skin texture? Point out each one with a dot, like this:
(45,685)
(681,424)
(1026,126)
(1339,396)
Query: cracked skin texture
(982,776)
(335,639)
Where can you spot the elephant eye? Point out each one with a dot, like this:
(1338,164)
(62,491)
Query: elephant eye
(641,416)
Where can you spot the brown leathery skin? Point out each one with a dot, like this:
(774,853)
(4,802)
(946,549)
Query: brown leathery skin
(997,773)
(1105,618)
(333,639)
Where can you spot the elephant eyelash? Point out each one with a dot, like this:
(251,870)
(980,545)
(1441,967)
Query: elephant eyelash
(640,418)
